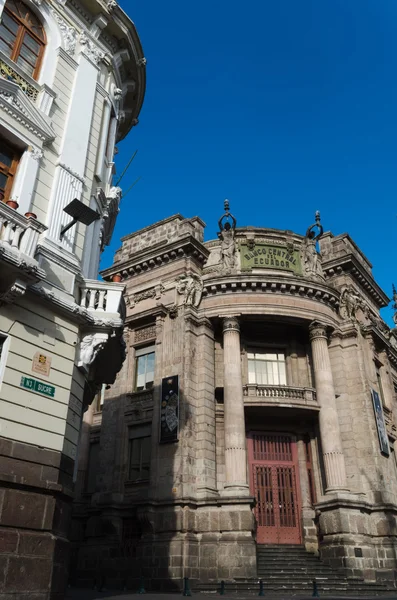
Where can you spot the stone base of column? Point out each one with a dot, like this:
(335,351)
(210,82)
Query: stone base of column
(236,491)
(335,471)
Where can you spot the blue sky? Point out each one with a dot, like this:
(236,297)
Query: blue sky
(283,107)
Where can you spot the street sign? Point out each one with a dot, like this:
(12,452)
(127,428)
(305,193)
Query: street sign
(37,386)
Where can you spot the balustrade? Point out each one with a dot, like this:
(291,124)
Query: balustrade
(18,232)
(280,393)
(101,296)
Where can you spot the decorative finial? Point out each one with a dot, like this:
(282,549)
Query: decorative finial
(394,297)
(227,217)
(310,233)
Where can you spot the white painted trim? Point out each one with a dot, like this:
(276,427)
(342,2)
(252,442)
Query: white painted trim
(3,360)
(100,163)
(25,178)
(2,3)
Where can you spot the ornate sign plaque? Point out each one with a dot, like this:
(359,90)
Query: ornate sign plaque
(169,423)
(41,364)
(266,256)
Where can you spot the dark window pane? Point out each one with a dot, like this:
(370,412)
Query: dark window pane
(93,464)
(31,43)
(25,65)
(3,181)
(9,23)
(28,55)
(5,48)
(6,157)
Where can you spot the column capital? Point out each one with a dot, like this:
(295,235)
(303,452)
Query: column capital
(317,330)
(231,324)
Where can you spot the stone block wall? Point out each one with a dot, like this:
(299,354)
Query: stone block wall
(35,511)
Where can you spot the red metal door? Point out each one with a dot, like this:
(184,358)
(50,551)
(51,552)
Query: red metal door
(274,479)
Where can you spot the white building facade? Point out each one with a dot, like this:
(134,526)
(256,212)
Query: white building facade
(72,82)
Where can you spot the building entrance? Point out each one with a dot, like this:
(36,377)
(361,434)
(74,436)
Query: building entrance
(274,481)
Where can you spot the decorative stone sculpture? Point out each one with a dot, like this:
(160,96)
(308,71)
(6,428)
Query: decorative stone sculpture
(227,235)
(311,259)
(191,287)
(90,346)
(350,302)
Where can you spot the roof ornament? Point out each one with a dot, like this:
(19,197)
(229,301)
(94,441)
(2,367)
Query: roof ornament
(394,307)
(227,226)
(311,258)
(311,233)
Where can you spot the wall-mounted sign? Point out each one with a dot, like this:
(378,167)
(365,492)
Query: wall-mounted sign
(169,419)
(266,256)
(380,424)
(37,386)
(41,364)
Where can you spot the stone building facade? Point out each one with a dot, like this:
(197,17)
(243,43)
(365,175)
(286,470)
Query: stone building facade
(72,81)
(257,405)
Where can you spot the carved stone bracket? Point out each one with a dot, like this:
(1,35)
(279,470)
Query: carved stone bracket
(90,345)
(13,292)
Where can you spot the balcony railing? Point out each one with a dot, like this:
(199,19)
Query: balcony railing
(11,72)
(255,393)
(17,232)
(101,296)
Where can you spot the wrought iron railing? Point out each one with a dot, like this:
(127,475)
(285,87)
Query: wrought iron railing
(11,74)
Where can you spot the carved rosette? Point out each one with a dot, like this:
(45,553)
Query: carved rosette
(231,324)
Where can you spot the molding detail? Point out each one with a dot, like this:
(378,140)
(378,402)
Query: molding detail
(231,324)
(17,104)
(90,346)
(13,292)
(36,154)
(111,5)
(317,331)
(69,34)
(90,49)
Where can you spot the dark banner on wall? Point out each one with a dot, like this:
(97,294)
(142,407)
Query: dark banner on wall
(380,424)
(169,424)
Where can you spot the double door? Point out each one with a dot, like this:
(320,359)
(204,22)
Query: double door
(274,484)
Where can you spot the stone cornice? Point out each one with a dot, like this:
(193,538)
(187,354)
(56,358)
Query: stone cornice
(147,315)
(186,247)
(271,284)
(349,264)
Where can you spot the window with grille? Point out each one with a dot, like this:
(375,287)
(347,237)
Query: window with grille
(267,368)
(22,37)
(139,453)
(9,159)
(144,368)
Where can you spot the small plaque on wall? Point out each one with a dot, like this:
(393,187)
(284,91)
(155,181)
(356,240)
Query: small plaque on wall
(169,419)
(380,424)
(41,363)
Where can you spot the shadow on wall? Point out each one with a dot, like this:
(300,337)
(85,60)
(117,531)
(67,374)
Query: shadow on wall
(127,536)
(385,526)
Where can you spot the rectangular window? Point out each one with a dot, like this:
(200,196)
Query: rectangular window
(9,159)
(139,453)
(267,368)
(92,471)
(144,368)
(99,399)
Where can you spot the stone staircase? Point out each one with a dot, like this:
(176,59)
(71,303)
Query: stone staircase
(289,571)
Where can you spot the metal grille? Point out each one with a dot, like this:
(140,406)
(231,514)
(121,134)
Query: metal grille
(264,496)
(273,448)
(286,496)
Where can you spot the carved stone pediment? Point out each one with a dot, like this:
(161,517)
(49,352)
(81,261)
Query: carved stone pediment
(17,104)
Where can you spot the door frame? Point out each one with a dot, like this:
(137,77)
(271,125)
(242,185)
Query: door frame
(295,463)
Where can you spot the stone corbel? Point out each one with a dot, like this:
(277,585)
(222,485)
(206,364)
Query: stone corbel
(14,291)
(90,346)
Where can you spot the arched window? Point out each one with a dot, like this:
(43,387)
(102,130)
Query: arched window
(22,36)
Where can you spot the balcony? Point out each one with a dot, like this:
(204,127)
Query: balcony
(18,242)
(279,395)
(103,298)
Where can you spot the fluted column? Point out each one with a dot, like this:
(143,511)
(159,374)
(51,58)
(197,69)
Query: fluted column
(334,461)
(235,445)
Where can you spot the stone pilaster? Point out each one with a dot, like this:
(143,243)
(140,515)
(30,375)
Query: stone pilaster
(334,461)
(235,446)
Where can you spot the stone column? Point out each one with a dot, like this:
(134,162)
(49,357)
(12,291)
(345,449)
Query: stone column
(303,475)
(235,443)
(334,461)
